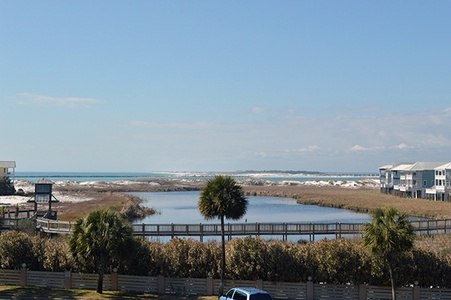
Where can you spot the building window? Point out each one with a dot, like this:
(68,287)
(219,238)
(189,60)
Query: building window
(425,183)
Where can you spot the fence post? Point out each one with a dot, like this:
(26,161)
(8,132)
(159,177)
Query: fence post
(310,288)
(67,280)
(259,284)
(362,291)
(114,280)
(209,285)
(23,275)
(160,284)
(416,291)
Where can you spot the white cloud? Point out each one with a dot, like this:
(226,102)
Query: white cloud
(402,146)
(258,110)
(358,148)
(27,98)
(341,142)
(308,149)
(173,125)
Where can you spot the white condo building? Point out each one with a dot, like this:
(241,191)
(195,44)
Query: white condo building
(431,180)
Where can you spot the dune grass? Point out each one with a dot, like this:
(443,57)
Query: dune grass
(360,200)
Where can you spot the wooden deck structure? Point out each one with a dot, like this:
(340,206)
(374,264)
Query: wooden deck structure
(283,230)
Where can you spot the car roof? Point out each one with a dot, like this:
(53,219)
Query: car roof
(250,290)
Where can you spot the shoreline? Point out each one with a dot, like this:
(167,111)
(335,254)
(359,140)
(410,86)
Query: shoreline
(77,198)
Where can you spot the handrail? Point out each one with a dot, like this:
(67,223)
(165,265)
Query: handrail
(245,229)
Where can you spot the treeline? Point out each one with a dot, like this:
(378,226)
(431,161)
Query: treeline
(338,261)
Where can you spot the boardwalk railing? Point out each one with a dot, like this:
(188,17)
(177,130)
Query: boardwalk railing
(246,229)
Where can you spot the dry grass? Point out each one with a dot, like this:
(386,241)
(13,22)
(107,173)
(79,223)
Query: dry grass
(15,292)
(360,200)
(439,244)
(69,211)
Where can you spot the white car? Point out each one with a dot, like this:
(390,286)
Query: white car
(245,293)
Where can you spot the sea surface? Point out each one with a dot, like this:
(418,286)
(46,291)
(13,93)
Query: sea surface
(114,176)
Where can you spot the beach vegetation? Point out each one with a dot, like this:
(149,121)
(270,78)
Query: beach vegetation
(51,254)
(222,198)
(132,210)
(15,250)
(334,261)
(6,186)
(27,226)
(388,236)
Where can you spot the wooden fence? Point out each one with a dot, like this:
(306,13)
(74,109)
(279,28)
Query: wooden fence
(208,286)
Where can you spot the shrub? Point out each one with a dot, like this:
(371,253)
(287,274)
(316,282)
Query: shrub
(338,261)
(138,261)
(282,263)
(15,249)
(246,258)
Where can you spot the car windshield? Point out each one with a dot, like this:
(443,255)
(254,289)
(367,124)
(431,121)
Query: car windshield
(260,297)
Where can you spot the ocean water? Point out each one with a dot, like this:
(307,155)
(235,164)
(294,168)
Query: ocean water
(88,176)
(113,176)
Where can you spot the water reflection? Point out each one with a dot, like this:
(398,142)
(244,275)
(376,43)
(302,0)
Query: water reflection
(181,208)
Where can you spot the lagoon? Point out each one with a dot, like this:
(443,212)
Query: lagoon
(181,208)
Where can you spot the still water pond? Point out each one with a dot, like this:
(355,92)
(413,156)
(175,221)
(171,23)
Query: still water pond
(181,208)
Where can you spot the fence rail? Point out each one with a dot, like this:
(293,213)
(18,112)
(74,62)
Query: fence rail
(209,286)
(246,229)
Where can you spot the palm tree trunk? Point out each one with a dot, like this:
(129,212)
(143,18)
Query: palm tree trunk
(392,278)
(100,270)
(223,265)
(100,283)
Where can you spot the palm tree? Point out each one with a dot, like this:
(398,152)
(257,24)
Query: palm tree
(388,235)
(222,198)
(100,240)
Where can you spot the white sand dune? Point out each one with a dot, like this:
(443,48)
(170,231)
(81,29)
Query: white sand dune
(28,187)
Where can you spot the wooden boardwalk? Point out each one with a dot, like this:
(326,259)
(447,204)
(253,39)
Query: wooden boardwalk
(282,230)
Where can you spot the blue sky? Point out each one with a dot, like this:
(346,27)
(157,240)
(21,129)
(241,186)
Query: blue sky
(224,85)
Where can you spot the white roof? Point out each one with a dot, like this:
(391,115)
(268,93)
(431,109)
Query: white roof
(446,166)
(7,164)
(418,166)
(402,167)
(426,165)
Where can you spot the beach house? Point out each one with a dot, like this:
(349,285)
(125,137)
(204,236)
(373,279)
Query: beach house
(7,168)
(431,180)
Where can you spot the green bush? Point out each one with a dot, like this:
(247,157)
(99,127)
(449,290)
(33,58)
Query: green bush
(6,186)
(339,261)
(246,258)
(15,249)
(138,261)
